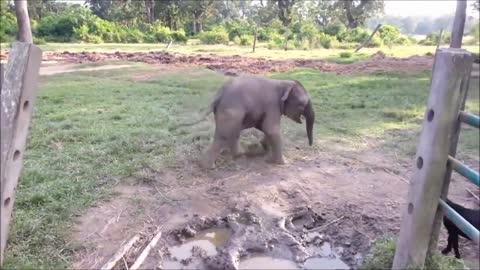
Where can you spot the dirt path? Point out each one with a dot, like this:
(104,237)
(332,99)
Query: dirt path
(358,188)
(233,65)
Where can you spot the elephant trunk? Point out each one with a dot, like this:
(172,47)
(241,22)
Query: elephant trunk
(310,119)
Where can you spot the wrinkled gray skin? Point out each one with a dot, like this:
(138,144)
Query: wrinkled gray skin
(253,102)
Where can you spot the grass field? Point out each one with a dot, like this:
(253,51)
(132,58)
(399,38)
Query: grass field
(261,51)
(92,129)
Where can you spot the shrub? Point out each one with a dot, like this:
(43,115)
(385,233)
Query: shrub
(162,33)
(276,41)
(238,28)
(266,34)
(217,36)
(179,36)
(8,26)
(325,41)
(345,54)
(354,35)
(375,42)
(39,41)
(246,40)
(134,36)
(431,39)
(475,32)
(335,29)
(389,34)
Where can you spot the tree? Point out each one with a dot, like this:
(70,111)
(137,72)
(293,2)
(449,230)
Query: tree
(24,33)
(323,12)
(199,10)
(356,12)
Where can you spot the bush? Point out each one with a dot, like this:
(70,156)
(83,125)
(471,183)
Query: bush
(217,36)
(276,41)
(134,36)
(162,33)
(39,41)
(8,26)
(389,34)
(238,28)
(179,36)
(375,42)
(325,41)
(431,39)
(383,250)
(334,29)
(345,54)
(354,35)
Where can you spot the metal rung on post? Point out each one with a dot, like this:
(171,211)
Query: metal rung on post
(461,223)
(470,119)
(462,169)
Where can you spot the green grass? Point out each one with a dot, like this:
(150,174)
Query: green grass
(383,250)
(262,51)
(92,129)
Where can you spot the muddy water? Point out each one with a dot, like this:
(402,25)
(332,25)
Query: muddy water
(264,262)
(207,240)
(325,263)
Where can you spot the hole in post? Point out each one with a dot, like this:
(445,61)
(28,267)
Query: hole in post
(419,162)
(410,208)
(16,155)
(6,202)
(430,115)
(25,105)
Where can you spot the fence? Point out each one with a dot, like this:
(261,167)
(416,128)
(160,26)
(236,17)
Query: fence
(435,160)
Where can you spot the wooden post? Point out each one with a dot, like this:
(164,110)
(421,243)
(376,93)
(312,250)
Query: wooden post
(369,38)
(458,24)
(255,38)
(24,33)
(455,135)
(17,99)
(446,96)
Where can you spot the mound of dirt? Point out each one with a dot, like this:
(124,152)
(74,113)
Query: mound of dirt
(236,64)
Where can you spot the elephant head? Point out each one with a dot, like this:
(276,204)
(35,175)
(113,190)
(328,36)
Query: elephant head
(294,103)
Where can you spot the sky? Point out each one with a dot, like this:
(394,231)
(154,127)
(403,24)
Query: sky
(424,8)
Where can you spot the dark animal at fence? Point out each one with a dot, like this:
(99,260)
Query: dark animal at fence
(470,215)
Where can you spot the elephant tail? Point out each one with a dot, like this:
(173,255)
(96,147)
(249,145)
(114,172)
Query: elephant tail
(210,109)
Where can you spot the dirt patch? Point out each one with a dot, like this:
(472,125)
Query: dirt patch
(62,68)
(234,65)
(350,198)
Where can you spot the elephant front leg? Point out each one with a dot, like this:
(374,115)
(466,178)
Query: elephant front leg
(236,148)
(275,141)
(208,162)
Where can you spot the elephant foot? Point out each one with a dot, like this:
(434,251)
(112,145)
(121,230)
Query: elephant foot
(208,165)
(276,160)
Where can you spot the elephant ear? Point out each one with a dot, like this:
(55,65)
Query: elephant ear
(284,98)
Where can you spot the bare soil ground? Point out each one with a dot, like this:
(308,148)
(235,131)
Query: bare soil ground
(232,65)
(366,190)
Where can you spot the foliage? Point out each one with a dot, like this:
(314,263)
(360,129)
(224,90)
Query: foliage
(244,40)
(179,36)
(432,39)
(354,35)
(383,250)
(8,26)
(345,54)
(335,29)
(238,28)
(216,36)
(389,34)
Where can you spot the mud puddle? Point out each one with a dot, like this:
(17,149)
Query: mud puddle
(257,238)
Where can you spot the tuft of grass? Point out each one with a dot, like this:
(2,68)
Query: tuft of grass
(382,253)
(345,54)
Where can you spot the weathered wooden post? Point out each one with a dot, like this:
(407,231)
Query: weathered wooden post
(255,38)
(453,66)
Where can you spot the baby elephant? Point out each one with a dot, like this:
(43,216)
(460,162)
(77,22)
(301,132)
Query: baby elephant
(252,102)
(470,215)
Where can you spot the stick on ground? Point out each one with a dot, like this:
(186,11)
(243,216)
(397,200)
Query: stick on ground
(120,253)
(138,262)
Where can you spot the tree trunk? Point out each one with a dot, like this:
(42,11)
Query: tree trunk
(255,39)
(200,27)
(194,24)
(352,23)
(458,24)
(24,33)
